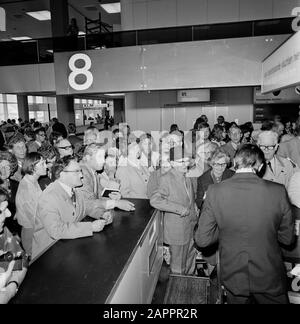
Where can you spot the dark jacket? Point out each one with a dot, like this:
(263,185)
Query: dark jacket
(205,180)
(248,216)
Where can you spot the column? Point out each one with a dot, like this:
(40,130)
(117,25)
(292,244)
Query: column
(65,109)
(59,17)
(23,109)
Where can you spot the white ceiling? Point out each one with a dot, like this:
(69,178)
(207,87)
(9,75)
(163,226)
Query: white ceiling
(20,24)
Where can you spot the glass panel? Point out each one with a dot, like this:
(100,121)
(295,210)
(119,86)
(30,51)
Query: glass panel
(11,98)
(1,97)
(12,111)
(30,99)
(164,35)
(77,101)
(79,117)
(31,114)
(273,27)
(40,116)
(39,100)
(2,115)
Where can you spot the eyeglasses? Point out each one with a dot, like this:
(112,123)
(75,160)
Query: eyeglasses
(267,147)
(220,164)
(77,171)
(43,135)
(65,147)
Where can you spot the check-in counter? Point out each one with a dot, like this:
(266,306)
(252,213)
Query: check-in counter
(121,264)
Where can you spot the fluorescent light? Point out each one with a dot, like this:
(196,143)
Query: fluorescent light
(114,7)
(49,51)
(21,38)
(40,15)
(81,33)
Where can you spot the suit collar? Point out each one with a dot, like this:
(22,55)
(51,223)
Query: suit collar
(247,175)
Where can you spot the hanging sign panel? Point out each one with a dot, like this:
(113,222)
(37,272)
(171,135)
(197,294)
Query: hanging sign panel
(282,68)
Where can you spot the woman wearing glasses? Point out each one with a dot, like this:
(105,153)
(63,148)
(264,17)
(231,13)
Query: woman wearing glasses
(217,173)
(28,195)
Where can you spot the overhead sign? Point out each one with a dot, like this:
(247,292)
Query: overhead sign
(193,95)
(278,97)
(2,19)
(282,68)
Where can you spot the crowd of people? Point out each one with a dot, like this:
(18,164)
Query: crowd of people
(210,184)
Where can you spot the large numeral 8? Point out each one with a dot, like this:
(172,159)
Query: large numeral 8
(77,71)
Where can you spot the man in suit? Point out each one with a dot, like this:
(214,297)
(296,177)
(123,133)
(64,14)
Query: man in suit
(231,147)
(175,197)
(248,216)
(277,168)
(61,208)
(93,161)
(291,148)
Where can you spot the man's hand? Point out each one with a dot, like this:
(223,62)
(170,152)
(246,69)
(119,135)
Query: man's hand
(185,212)
(125,205)
(108,216)
(5,276)
(18,275)
(98,225)
(115,195)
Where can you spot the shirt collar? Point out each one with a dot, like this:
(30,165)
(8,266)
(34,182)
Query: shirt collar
(245,170)
(67,189)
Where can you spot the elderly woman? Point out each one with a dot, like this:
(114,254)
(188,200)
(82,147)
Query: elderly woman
(28,194)
(218,172)
(133,176)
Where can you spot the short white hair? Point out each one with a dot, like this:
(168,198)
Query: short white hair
(264,134)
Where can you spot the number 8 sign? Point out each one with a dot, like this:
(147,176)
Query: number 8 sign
(80,71)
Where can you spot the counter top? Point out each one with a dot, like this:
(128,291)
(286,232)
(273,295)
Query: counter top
(85,270)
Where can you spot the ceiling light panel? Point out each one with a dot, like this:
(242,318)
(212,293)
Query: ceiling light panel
(114,7)
(40,15)
(21,38)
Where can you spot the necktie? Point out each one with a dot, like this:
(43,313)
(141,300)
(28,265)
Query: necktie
(73,198)
(270,166)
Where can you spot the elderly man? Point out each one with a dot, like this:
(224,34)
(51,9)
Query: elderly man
(277,168)
(61,208)
(248,216)
(235,135)
(93,161)
(64,147)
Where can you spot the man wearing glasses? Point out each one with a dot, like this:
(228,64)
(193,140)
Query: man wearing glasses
(277,168)
(61,208)
(40,137)
(64,148)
